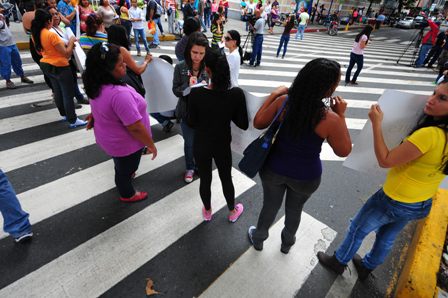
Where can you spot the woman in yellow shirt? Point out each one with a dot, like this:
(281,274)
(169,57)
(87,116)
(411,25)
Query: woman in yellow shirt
(418,166)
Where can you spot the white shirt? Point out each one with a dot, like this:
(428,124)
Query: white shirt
(234,60)
(137,13)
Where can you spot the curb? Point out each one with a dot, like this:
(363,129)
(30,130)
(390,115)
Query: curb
(419,275)
(25,45)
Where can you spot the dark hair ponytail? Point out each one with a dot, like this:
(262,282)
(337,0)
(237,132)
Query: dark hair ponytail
(235,35)
(93,22)
(219,67)
(41,19)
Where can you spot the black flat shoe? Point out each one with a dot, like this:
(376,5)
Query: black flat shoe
(363,272)
(331,262)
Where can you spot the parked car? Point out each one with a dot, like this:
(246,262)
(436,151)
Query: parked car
(407,22)
(418,21)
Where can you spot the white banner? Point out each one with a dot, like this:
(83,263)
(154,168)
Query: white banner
(401,113)
(158,82)
(241,139)
(80,57)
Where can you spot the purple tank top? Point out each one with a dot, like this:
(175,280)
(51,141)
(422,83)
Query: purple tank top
(296,158)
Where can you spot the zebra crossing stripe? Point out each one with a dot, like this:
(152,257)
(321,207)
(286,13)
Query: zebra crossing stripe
(46,200)
(20,99)
(98,264)
(392,40)
(269,273)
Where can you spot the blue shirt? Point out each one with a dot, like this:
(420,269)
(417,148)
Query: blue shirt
(67,9)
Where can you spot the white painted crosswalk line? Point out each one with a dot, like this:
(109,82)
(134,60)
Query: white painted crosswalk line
(270,273)
(21,99)
(378,38)
(98,264)
(46,200)
(395,40)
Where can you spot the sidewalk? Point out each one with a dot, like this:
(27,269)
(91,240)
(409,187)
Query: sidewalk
(22,39)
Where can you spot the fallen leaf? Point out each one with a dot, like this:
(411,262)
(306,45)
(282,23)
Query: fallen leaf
(150,288)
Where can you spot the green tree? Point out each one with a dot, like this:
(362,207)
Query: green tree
(407,4)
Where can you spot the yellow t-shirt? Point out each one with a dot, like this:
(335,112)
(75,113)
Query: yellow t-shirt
(419,179)
(50,55)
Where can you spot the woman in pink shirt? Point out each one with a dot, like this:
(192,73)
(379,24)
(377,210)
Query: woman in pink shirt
(357,55)
(85,9)
(215,6)
(119,116)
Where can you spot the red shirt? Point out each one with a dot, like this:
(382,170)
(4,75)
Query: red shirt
(431,36)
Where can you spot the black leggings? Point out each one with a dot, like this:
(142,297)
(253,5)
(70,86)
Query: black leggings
(36,58)
(204,152)
(125,167)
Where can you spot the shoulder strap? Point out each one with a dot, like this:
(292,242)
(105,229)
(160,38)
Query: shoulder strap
(280,110)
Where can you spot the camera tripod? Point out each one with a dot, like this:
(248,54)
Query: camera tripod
(416,40)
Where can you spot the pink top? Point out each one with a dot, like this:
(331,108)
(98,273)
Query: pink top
(83,15)
(357,46)
(115,108)
(215,7)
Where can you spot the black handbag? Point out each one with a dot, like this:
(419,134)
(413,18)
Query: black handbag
(247,48)
(135,81)
(255,154)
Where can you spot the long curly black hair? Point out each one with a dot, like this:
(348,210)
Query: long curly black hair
(442,123)
(314,82)
(117,35)
(218,65)
(100,62)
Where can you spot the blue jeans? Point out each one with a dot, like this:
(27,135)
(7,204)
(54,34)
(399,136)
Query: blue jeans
(422,54)
(385,216)
(201,20)
(283,43)
(15,220)
(188,135)
(207,14)
(9,56)
(137,34)
(156,33)
(359,60)
(257,49)
(300,32)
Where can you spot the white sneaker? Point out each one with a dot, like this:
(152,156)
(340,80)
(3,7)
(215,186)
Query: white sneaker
(188,178)
(78,123)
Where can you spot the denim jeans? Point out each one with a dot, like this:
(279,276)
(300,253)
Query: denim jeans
(257,49)
(201,20)
(156,33)
(158,22)
(9,56)
(15,220)
(300,32)
(137,34)
(207,14)
(424,49)
(63,88)
(274,188)
(359,60)
(385,216)
(283,43)
(188,135)
(171,20)
(125,167)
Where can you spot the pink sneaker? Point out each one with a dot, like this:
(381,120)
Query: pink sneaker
(239,210)
(207,214)
(188,178)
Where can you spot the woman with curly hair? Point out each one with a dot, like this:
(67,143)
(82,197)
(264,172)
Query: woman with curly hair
(293,166)
(210,111)
(121,122)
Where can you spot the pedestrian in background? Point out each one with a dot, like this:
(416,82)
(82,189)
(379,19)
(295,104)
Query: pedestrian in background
(85,9)
(201,13)
(304,19)
(55,65)
(67,10)
(9,55)
(357,55)
(257,48)
(171,13)
(190,25)
(136,17)
(284,39)
(417,167)
(428,41)
(186,74)
(293,166)
(15,220)
(123,8)
(107,13)
(217,30)
(153,13)
(95,32)
(234,58)
(436,50)
(119,117)
(210,110)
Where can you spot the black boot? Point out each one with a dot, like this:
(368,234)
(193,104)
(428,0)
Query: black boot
(363,272)
(331,262)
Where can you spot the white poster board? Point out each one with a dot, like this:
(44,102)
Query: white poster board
(241,139)
(80,57)
(401,113)
(158,82)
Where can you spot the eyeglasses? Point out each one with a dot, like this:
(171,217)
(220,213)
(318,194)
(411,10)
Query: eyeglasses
(104,49)
(227,38)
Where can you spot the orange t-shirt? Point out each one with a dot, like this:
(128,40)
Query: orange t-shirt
(49,53)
